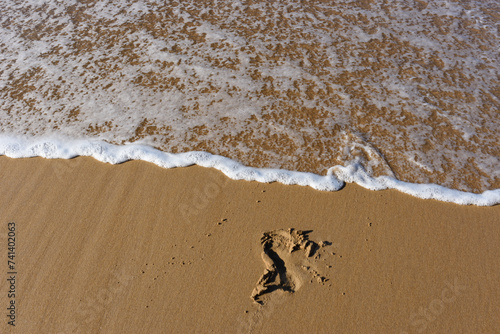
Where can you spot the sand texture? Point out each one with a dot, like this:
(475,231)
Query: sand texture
(134,248)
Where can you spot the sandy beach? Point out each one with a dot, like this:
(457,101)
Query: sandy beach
(134,248)
(401,95)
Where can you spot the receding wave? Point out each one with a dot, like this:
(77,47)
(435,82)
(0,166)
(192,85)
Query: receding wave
(400,90)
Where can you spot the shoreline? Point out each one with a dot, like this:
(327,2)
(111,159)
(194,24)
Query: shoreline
(336,178)
(134,247)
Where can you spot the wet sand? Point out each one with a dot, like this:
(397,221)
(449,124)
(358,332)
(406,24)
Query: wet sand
(134,248)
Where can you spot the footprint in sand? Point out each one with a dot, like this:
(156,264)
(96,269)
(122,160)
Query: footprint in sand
(289,257)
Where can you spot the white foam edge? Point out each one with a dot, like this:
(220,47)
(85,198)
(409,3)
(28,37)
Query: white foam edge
(61,148)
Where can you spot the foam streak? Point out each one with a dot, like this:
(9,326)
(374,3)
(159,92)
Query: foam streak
(59,148)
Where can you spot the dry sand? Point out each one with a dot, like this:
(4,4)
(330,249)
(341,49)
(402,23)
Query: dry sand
(134,248)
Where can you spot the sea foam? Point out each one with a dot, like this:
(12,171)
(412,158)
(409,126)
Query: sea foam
(63,148)
(407,89)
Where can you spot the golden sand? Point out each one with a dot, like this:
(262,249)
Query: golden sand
(134,248)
